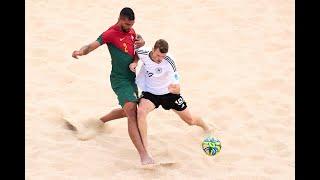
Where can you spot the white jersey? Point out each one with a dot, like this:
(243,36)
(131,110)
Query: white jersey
(153,77)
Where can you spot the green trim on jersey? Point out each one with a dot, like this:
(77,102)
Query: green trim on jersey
(100,40)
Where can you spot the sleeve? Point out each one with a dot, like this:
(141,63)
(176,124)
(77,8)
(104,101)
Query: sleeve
(142,52)
(175,78)
(173,73)
(104,38)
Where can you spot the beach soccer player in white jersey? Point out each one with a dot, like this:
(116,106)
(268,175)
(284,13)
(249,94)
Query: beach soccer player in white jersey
(159,81)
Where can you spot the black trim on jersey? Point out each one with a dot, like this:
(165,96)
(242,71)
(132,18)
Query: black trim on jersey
(142,52)
(171,62)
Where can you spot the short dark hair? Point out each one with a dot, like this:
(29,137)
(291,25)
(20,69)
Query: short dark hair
(127,12)
(162,45)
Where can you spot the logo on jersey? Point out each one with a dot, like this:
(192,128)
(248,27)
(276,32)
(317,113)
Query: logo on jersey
(176,76)
(149,73)
(158,70)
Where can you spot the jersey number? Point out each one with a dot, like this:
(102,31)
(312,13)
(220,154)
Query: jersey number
(125,47)
(179,101)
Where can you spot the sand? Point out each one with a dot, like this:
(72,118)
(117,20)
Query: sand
(236,60)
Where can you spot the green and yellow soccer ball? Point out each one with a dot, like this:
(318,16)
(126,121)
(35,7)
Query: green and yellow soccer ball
(211,146)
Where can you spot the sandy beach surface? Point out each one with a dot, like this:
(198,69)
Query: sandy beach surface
(236,60)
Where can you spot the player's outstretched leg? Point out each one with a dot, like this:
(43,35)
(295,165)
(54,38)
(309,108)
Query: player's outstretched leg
(186,116)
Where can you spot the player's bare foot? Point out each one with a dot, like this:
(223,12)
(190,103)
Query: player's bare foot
(95,123)
(145,160)
(86,135)
(208,130)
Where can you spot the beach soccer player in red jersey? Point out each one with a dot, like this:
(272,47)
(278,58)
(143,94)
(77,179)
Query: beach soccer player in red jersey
(121,40)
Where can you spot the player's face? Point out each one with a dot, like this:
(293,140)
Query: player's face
(126,24)
(158,56)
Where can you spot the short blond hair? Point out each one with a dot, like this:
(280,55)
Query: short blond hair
(162,45)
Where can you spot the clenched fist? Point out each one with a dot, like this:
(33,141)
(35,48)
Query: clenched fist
(133,66)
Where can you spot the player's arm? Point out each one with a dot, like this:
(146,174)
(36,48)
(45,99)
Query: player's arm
(86,49)
(138,54)
(139,42)
(134,64)
(174,87)
(136,58)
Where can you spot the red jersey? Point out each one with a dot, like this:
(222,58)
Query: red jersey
(124,41)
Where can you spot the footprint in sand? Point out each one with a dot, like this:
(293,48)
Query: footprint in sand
(70,126)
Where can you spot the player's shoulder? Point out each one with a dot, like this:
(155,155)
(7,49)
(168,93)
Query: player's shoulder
(109,32)
(132,31)
(143,50)
(170,61)
(169,57)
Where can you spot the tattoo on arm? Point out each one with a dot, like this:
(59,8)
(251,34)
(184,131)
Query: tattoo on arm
(139,36)
(85,49)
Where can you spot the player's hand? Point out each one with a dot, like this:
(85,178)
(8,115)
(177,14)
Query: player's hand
(75,54)
(139,42)
(133,66)
(174,88)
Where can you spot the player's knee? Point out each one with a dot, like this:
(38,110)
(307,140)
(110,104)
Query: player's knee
(130,112)
(124,114)
(129,106)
